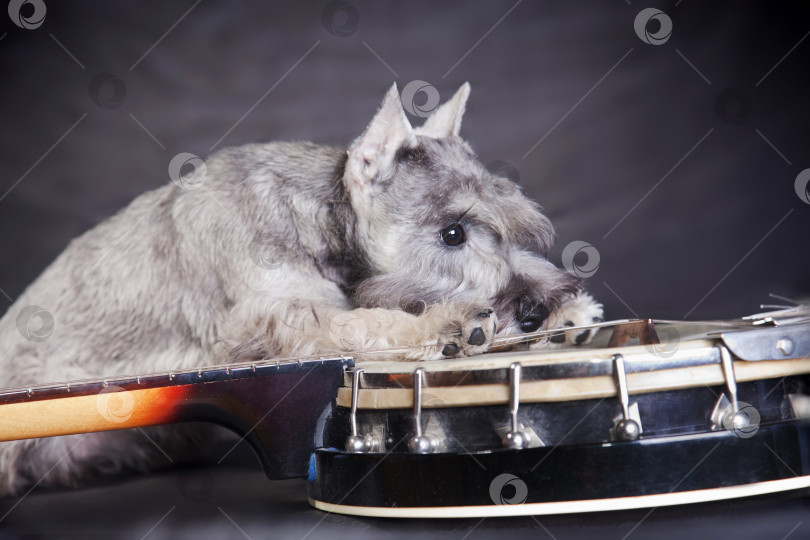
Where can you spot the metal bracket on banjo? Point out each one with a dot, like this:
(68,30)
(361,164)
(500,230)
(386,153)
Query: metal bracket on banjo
(357,443)
(777,343)
(518,436)
(726,414)
(421,443)
(627,426)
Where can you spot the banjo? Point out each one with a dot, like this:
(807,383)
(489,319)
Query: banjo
(650,413)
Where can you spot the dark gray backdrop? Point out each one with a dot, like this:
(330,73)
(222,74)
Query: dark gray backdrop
(678,162)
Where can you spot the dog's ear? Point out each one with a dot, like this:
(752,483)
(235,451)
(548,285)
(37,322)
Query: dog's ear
(373,152)
(446,120)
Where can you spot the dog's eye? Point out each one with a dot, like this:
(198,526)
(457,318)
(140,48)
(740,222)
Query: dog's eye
(453,235)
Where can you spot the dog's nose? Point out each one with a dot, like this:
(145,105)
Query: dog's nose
(530,314)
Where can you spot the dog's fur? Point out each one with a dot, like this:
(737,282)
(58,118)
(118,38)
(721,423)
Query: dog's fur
(286,249)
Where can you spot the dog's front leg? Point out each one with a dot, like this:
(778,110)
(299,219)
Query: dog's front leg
(447,330)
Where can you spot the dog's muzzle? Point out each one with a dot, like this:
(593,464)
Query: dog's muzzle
(530,314)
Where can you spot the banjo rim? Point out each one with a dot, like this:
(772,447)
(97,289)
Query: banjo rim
(573,507)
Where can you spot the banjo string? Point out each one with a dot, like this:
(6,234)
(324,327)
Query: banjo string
(501,341)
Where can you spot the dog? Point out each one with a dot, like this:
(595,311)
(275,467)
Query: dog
(404,242)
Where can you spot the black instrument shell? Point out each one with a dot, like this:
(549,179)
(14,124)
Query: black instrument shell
(563,473)
(678,451)
(665,413)
(280,412)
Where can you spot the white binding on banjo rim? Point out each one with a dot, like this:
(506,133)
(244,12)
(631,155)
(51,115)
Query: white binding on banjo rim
(572,507)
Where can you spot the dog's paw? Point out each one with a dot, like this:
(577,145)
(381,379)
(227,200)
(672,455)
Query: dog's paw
(463,330)
(580,310)
(470,334)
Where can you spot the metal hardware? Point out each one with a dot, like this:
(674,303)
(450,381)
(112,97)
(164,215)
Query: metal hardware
(515,438)
(775,343)
(626,427)
(731,380)
(785,346)
(357,443)
(420,443)
(726,414)
(722,409)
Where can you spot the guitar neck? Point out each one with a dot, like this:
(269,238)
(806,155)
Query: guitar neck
(273,405)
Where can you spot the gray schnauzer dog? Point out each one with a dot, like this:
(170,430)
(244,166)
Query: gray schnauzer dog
(403,244)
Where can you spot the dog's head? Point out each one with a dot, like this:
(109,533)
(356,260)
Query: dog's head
(435,225)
